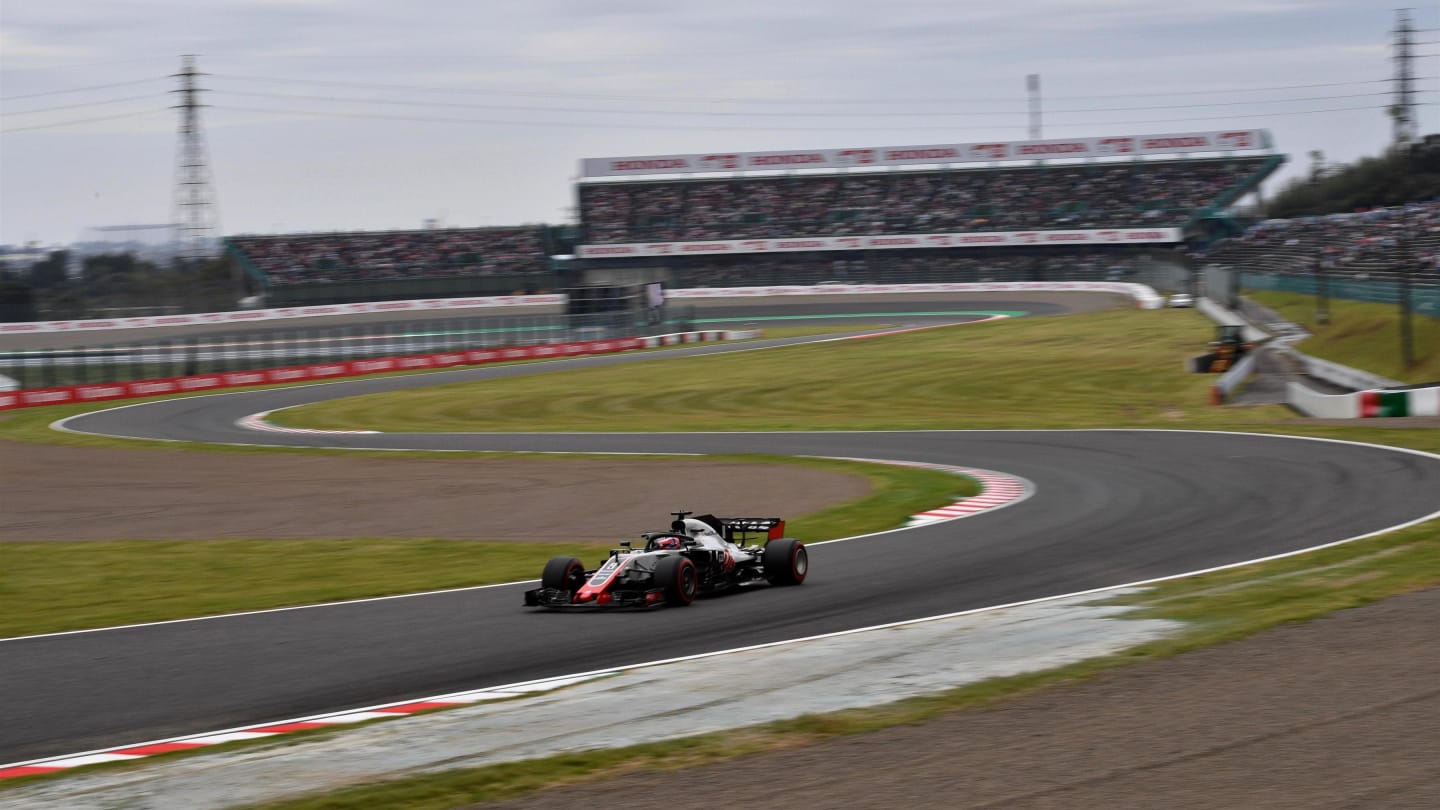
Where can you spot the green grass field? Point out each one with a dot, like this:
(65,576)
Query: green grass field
(1361,335)
(1111,369)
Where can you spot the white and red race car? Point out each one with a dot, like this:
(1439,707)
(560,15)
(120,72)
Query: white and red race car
(698,555)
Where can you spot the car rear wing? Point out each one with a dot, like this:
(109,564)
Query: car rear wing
(739,528)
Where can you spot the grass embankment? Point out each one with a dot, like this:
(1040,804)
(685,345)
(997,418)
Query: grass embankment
(1361,335)
(1109,369)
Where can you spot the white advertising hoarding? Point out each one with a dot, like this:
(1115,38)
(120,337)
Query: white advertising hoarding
(1110,146)
(718,247)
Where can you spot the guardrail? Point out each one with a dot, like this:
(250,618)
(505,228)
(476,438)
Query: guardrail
(1336,374)
(1221,315)
(1232,380)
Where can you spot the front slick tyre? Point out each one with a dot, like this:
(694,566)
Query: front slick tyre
(563,574)
(786,562)
(678,580)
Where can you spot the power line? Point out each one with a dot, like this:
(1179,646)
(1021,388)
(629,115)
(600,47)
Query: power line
(649,126)
(100,63)
(82,89)
(790,114)
(79,106)
(723,100)
(59,124)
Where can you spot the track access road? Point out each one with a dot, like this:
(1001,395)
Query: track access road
(1110,507)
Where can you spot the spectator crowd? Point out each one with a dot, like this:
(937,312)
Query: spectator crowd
(1098,195)
(335,257)
(1374,244)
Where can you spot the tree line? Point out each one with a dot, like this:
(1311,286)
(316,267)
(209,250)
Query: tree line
(114,285)
(1397,177)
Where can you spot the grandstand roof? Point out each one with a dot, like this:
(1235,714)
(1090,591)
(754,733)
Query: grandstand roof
(1113,146)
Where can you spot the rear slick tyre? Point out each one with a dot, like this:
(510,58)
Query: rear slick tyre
(786,562)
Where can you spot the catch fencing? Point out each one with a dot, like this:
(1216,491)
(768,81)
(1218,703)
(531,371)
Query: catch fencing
(1424,293)
(64,395)
(229,350)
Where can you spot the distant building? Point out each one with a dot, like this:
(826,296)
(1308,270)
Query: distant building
(153,243)
(16,260)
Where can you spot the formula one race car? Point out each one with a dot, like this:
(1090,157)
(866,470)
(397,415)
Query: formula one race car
(703,554)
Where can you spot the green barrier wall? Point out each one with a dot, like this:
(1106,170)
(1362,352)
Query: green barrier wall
(1424,299)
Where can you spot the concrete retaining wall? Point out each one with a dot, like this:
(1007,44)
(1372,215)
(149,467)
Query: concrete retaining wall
(1365,404)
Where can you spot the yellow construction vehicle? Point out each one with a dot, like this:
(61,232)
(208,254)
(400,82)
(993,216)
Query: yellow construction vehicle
(1225,350)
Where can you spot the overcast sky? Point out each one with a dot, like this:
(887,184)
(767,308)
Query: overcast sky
(359,114)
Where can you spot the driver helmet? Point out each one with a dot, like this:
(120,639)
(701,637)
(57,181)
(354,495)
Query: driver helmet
(668,543)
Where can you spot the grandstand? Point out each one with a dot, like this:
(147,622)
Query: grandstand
(1366,246)
(1121,190)
(1087,208)
(1083,196)
(339,267)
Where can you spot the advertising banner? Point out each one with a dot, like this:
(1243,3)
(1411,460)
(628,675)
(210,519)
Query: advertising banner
(34,397)
(1111,236)
(942,154)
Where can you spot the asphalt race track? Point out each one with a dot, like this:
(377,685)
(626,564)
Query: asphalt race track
(1110,507)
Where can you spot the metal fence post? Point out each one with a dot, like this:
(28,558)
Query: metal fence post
(48,370)
(136,362)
